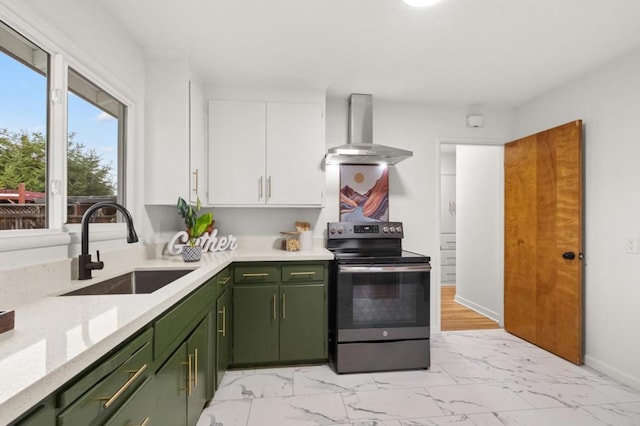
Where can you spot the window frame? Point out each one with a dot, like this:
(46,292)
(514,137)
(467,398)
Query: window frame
(57,232)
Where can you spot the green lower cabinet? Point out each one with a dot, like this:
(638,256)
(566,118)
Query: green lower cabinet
(198,356)
(138,409)
(224,311)
(180,384)
(279,323)
(302,326)
(255,324)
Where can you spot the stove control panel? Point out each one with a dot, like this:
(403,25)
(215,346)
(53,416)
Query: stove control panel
(361,230)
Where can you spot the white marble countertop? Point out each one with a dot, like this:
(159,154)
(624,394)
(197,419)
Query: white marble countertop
(56,338)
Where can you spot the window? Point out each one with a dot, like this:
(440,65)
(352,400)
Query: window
(31,171)
(95,123)
(23,132)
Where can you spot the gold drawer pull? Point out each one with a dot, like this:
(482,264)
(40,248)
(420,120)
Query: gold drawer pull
(145,422)
(225,280)
(261,274)
(124,387)
(302,273)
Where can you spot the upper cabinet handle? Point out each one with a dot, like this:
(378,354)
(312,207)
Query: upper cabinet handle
(195,176)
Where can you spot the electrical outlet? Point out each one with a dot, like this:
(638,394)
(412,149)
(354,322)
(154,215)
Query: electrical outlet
(632,246)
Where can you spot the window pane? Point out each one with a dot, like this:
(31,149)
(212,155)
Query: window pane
(23,132)
(95,141)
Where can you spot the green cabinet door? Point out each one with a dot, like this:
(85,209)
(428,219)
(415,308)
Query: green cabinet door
(171,389)
(302,324)
(197,356)
(223,331)
(255,324)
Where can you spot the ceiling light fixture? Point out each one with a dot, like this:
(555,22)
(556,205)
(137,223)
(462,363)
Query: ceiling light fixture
(421,3)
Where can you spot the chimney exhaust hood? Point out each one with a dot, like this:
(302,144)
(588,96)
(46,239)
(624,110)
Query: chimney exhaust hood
(360,148)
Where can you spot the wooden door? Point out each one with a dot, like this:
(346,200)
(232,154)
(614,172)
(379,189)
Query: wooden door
(543,300)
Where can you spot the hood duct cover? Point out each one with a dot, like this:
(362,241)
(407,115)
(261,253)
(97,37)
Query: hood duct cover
(360,149)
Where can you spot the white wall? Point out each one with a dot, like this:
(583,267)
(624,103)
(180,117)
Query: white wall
(479,228)
(608,100)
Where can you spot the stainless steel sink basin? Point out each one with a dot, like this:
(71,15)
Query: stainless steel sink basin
(136,282)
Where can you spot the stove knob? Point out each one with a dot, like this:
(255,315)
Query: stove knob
(398,229)
(332,230)
(385,229)
(340,229)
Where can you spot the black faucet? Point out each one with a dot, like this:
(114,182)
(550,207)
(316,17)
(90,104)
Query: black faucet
(84,260)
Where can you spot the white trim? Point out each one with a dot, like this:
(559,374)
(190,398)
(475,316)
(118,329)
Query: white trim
(613,372)
(494,316)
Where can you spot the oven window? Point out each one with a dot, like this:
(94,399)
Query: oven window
(374,299)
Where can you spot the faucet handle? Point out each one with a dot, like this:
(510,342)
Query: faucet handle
(98,264)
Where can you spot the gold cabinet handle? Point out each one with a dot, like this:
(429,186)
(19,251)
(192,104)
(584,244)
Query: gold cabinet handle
(145,422)
(189,377)
(124,387)
(225,280)
(269,188)
(294,274)
(224,321)
(275,315)
(195,178)
(261,274)
(260,189)
(195,368)
(284,306)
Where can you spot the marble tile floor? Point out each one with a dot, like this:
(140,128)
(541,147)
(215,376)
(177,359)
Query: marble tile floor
(477,378)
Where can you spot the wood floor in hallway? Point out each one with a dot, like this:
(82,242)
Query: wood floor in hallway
(458,317)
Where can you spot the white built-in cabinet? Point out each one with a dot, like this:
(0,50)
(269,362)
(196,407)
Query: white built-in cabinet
(266,153)
(175,142)
(448,219)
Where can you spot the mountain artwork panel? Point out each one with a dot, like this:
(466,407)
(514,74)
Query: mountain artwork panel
(364,193)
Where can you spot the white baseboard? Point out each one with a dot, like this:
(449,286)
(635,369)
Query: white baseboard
(479,309)
(612,372)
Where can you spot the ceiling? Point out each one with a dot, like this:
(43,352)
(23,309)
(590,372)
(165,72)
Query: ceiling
(460,52)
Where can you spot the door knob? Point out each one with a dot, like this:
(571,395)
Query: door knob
(569,255)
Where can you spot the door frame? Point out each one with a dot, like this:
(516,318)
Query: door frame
(435,277)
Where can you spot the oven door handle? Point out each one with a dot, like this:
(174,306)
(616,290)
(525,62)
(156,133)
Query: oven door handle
(383,268)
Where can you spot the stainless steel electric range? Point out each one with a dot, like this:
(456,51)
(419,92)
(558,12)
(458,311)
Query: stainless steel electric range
(378,299)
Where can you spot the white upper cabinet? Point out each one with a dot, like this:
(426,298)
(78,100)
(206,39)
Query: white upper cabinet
(237,153)
(266,153)
(197,143)
(175,156)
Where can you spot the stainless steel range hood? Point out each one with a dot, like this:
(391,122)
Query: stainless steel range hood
(360,148)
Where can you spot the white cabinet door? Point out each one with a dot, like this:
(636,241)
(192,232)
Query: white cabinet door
(448,203)
(197,145)
(237,153)
(295,152)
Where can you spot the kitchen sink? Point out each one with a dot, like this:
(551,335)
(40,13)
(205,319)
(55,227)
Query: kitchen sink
(136,282)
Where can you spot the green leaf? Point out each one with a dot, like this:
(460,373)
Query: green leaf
(201,225)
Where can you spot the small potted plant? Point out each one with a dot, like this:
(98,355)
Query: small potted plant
(196,226)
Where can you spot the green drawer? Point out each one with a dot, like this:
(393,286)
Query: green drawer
(103,369)
(107,395)
(138,409)
(170,328)
(300,273)
(223,279)
(256,274)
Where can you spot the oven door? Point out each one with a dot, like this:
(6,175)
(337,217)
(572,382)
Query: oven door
(382,302)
